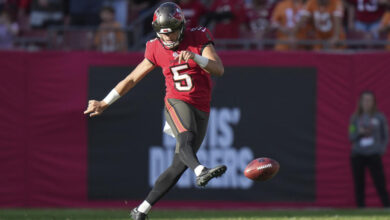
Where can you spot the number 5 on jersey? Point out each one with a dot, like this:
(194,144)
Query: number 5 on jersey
(182,81)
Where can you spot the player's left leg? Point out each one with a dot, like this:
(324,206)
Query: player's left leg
(166,180)
(163,184)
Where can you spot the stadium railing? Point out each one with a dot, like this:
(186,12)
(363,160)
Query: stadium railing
(81,38)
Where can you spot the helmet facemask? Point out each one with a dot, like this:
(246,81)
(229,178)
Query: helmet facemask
(169,18)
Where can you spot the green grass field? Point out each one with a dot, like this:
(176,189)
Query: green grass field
(77,214)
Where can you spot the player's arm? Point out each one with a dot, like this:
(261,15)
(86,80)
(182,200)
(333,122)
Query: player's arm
(97,107)
(214,65)
(134,77)
(208,60)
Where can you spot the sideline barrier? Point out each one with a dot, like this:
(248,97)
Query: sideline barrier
(293,107)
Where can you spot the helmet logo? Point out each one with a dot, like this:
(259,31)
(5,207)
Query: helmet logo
(178,14)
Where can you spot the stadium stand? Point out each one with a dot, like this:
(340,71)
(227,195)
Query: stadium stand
(254,25)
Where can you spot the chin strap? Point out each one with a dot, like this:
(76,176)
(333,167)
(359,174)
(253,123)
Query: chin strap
(168,45)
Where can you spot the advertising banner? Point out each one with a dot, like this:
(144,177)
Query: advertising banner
(292,107)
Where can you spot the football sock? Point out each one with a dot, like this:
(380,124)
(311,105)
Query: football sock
(144,207)
(198,170)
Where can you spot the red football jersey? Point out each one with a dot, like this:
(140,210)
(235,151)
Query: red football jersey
(186,80)
(368,10)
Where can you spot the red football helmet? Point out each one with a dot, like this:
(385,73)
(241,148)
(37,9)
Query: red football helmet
(169,18)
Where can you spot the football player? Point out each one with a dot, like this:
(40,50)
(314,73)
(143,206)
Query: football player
(187,58)
(284,18)
(327,16)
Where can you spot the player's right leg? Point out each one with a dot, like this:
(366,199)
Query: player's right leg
(181,118)
(207,174)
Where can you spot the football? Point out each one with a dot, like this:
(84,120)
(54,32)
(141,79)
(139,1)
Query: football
(261,169)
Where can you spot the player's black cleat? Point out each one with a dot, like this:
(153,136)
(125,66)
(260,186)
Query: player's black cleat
(137,215)
(207,174)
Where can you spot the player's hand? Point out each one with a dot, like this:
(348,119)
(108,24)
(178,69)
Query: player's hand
(185,55)
(95,108)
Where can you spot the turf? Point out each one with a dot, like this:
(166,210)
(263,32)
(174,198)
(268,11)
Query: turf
(77,214)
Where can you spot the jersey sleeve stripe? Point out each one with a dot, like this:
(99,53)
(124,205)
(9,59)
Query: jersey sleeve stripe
(205,45)
(150,61)
(179,126)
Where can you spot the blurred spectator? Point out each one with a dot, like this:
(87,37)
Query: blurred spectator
(326,15)
(285,18)
(365,15)
(22,14)
(110,36)
(259,14)
(193,11)
(385,27)
(229,17)
(368,132)
(44,13)
(138,9)
(121,10)
(12,7)
(85,12)
(8,30)
(2,3)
